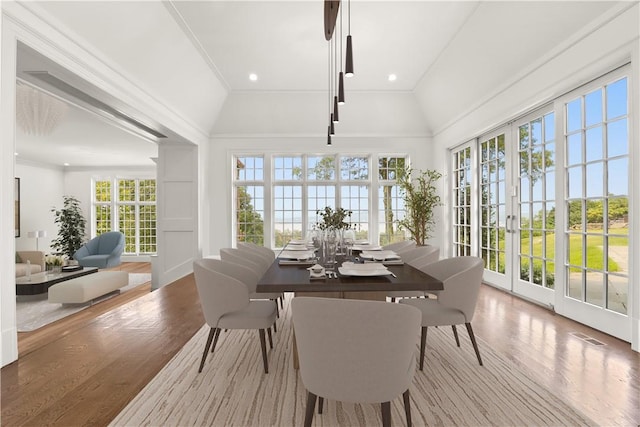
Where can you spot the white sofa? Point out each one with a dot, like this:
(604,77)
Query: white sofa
(35,258)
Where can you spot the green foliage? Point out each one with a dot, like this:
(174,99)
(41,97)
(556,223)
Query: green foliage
(71,225)
(333,220)
(420,200)
(250,223)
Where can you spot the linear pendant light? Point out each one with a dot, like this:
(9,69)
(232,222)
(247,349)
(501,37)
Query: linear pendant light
(341,78)
(349,60)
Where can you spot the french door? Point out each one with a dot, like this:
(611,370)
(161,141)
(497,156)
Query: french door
(595,234)
(545,202)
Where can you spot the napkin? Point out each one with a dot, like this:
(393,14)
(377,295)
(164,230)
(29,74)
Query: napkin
(313,274)
(380,255)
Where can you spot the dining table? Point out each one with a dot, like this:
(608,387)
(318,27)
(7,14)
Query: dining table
(291,276)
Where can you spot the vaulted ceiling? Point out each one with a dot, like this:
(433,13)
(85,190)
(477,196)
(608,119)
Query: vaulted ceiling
(447,55)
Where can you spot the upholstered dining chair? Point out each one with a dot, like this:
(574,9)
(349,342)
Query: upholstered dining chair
(456,303)
(399,246)
(254,262)
(355,351)
(226,305)
(267,253)
(429,255)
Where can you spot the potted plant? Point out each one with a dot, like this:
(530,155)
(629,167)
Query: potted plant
(332,228)
(420,197)
(71,225)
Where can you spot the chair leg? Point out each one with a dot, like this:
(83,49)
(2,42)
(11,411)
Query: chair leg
(206,348)
(473,341)
(311,403)
(407,406)
(215,340)
(277,310)
(270,338)
(423,341)
(455,334)
(263,345)
(393,299)
(320,404)
(386,414)
(281,299)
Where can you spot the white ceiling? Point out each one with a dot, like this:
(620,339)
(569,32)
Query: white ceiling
(449,55)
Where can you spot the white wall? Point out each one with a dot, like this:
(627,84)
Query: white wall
(41,189)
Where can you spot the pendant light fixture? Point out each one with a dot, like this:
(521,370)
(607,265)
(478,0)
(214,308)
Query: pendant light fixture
(349,59)
(336,75)
(341,78)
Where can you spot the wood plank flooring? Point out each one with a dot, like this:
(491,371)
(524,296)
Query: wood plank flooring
(84,369)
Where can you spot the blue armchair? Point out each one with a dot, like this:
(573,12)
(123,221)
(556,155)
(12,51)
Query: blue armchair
(103,251)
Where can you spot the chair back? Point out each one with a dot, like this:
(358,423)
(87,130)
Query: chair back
(266,252)
(244,258)
(416,252)
(256,255)
(461,277)
(355,350)
(219,293)
(398,246)
(406,247)
(428,257)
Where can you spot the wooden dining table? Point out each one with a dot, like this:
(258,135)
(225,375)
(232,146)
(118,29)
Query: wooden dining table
(294,277)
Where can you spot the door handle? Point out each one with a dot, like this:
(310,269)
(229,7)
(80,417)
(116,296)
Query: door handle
(507,224)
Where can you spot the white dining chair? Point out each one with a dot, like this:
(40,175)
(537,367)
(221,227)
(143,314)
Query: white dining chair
(266,254)
(355,351)
(399,246)
(250,260)
(426,255)
(226,305)
(456,303)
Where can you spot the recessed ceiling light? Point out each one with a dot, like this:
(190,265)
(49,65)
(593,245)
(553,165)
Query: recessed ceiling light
(15,154)
(66,164)
(392,77)
(253,77)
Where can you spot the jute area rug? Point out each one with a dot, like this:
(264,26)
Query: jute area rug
(35,311)
(233,390)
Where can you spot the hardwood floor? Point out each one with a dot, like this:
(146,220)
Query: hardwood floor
(86,368)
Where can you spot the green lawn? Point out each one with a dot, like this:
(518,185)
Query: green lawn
(595,255)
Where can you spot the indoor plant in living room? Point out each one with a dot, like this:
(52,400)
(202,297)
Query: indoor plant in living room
(420,197)
(71,226)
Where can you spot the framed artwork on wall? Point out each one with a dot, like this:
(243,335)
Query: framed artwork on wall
(16,192)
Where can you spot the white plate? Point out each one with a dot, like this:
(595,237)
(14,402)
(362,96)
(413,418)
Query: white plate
(297,247)
(299,255)
(380,255)
(345,271)
(351,269)
(366,248)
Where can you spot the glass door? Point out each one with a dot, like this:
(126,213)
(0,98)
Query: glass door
(596,238)
(495,208)
(532,226)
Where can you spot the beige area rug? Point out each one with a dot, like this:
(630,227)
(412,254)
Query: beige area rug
(35,311)
(233,390)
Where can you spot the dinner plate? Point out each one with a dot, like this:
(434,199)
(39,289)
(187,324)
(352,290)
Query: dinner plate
(297,247)
(380,255)
(351,269)
(357,272)
(299,255)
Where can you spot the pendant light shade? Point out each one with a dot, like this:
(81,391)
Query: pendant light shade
(328,135)
(336,119)
(349,60)
(332,129)
(341,89)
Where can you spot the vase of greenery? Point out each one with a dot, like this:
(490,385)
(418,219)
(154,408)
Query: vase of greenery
(331,228)
(71,226)
(420,197)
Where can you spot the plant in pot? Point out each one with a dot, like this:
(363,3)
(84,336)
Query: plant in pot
(332,227)
(420,197)
(71,226)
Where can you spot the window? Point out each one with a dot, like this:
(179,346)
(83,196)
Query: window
(249,199)
(128,206)
(298,186)
(390,202)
